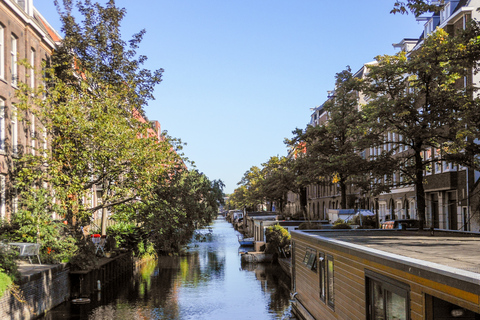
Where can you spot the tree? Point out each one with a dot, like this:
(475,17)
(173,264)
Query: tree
(421,98)
(95,46)
(333,148)
(95,140)
(277,181)
(417,7)
(253,180)
(180,202)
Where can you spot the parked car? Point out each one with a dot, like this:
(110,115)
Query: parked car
(401,224)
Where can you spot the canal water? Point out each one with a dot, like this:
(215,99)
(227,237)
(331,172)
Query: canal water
(210,282)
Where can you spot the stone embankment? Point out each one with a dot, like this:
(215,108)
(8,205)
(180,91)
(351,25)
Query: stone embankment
(42,287)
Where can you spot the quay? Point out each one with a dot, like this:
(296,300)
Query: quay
(43,287)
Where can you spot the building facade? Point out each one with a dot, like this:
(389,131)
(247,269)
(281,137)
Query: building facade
(24,35)
(449,189)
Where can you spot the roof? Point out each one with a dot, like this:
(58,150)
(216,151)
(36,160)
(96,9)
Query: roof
(443,250)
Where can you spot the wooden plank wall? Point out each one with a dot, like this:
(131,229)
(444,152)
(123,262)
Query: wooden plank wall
(349,285)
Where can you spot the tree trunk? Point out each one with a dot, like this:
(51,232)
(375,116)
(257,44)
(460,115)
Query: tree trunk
(419,189)
(303,202)
(343,194)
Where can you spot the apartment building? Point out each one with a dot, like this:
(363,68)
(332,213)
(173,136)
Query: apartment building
(24,35)
(449,189)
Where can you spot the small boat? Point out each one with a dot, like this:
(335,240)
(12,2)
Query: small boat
(245,242)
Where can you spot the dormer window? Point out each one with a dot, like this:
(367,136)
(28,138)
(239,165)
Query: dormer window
(22,4)
(429,27)
(445,12)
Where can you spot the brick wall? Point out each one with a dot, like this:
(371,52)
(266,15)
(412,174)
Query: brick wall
(41,292)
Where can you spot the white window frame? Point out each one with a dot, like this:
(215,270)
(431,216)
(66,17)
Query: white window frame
(32,134)
(3,196)
(14,130)
(2,125)
(2,51)
(32,70)
(44,140)
(13,57)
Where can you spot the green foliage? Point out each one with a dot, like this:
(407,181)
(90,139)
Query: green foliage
(421,106)
(5,283)
(33,223)
(417,7)
(96,46)
(8,266)
(278,238)
(310,226)
(84,258)
(368,222)
(340,224)
(181,201)
(332,147)
(129,236)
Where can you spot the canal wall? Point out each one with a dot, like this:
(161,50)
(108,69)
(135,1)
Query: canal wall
(40,291)
(43,287)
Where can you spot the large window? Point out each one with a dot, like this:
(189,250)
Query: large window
(2,125)
(326,279)
(2,52)
(322,270)
(13,59)
(2,196)
(310,259)
(32,70)
(387,299)
(14,130)
(330,282)
(32,133)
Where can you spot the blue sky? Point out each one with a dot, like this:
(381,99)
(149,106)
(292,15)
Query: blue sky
(240,76)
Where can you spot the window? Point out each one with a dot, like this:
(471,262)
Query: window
(32,133)
(386,298)
(32,70)
(310,259)
(445,12)
(2,52)
(13,59)
(326,279)
(2,196)
(44,140)
(322,279)
(2,125)
(15,204)
(22,4)
(14,130)
(428,158)
(330,282)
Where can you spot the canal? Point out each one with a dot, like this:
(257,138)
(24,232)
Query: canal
(209,282)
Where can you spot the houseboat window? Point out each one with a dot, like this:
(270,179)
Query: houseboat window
(441,309)
(323,283)
(330,280)
(310,259)
(387,298)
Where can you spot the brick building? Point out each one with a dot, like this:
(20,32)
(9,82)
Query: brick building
(24,35)
(449,189)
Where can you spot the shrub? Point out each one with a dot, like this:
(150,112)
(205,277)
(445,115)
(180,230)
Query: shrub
(5,283)
(8,265)
(278,238)
(340,224)
(310,226)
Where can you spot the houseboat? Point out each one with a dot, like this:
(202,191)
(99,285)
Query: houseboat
(385,274)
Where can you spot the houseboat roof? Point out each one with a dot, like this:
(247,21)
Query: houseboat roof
(445,253)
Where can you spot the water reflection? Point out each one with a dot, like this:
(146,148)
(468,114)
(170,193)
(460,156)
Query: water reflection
(208,283)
